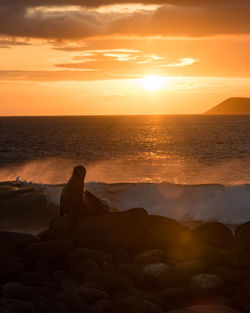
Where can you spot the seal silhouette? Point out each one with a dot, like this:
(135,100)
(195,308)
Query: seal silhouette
(71,201)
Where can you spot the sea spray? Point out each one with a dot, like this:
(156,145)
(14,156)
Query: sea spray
(227,204)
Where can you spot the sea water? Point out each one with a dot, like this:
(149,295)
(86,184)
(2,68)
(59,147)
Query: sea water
(185,167)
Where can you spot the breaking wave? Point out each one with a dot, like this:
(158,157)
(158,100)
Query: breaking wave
(211,202)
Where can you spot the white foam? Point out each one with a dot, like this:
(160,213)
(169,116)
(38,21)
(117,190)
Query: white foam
(227,204)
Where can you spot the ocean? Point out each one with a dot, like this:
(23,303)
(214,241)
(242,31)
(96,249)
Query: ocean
(193,167)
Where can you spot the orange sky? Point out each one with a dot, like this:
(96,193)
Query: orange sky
(84,57)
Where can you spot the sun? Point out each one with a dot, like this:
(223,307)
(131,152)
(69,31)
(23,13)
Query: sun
(152,82)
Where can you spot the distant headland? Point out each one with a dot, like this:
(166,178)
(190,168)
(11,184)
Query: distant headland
(231,106)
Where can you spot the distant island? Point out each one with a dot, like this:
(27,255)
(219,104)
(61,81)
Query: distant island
(231,106)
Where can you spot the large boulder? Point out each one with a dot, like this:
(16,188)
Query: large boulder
(107,232)
(111,282)
(163,232)
(10,267)
(214,234)
(50,251)
(242,234)
(205,283)
(153,271)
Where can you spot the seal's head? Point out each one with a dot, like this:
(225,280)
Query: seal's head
(79,171)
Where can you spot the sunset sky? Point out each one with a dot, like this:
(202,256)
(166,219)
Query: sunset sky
(70,57)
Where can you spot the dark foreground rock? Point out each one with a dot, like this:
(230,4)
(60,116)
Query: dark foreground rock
(51,251)
(106,232)
(242,235)
(126,262)
(207,309)
(214,234)
(10,267)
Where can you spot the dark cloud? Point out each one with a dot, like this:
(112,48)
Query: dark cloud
(200,20)
(97,3)
(10,43)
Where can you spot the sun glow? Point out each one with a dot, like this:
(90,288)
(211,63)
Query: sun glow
(153,82)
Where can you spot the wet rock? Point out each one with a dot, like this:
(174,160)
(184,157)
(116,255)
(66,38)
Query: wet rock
(156,299)
(47,305)
(229,275)
(205,283)
(49,251)
(167,280)
(91,295)
(44,235)
(112,282)
(240,258)
(135,273)
(242,235)
(154,271)
(82,254)
(107,232)
(128,305)
(240,301)
(182,272)
(11,289)
(152,307)
(121,255)
(68,285)
(148,257)
(74,302)
(15,306)
(10,268)
(14,242)
(244,287)
(214,234)
(175,295)
(34,278)
(211,300)
(41,266)
(103,305)
(163,232)
(211,255)
(63,275)
(17,291)
(84,268)
(206,309)
(108,266)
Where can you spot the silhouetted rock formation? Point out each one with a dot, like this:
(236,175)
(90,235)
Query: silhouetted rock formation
(231,106)
(126,262)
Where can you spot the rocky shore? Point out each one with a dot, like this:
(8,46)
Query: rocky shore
(126,262)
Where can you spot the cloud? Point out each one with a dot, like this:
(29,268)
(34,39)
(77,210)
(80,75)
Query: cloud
(97,3)
(181,20)
(10,43)
(54,76)
(180,63)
